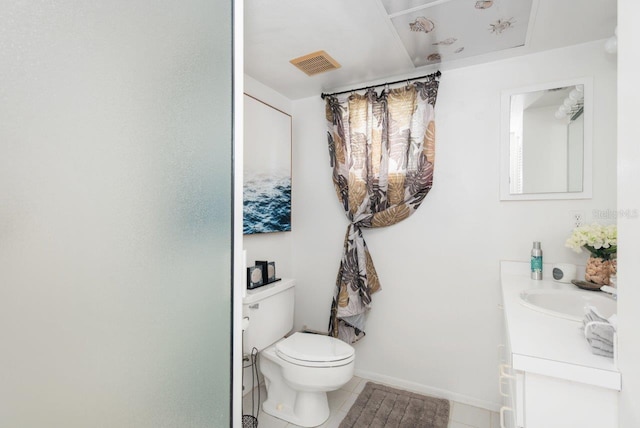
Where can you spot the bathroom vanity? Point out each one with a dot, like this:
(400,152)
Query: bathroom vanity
(548,376)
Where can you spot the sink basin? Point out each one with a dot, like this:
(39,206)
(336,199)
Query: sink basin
(568,304)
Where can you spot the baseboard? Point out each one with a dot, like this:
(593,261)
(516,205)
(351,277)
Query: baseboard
(425,389)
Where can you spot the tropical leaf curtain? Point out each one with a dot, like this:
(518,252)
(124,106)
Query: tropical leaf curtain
(382,150)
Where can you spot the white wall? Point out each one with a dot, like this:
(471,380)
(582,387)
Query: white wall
(629,199)
(436,324)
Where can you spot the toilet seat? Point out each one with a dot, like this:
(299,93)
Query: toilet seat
(314,350)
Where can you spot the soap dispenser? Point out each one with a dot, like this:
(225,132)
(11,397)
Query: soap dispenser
(536,261)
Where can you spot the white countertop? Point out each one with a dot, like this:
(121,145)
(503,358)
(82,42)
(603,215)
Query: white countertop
(548,345)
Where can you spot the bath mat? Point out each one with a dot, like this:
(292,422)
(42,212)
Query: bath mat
(382,406)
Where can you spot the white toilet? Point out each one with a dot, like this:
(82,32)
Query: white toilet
(298,370)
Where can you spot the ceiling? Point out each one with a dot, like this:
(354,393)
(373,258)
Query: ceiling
(377,40)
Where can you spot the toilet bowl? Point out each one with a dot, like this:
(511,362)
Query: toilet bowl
(299,371)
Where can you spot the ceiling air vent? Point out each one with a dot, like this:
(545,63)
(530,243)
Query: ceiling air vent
(315,63)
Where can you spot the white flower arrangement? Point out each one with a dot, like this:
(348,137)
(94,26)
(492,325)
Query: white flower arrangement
(600,241)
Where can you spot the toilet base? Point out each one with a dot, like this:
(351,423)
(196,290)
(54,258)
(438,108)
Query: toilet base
(313,405)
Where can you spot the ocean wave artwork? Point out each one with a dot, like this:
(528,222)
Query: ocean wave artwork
(267,203)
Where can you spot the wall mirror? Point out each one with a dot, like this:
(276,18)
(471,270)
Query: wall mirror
(546,141)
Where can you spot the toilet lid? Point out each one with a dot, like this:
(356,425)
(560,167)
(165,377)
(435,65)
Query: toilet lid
(308,347)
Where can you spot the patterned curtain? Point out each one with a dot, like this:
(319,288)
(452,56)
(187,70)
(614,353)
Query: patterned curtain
(382,151)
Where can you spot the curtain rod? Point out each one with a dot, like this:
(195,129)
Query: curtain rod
(432,75)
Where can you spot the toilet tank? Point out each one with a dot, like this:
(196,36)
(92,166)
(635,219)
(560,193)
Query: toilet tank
(270,312)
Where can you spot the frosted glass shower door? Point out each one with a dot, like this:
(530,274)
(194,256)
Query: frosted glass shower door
(115,214)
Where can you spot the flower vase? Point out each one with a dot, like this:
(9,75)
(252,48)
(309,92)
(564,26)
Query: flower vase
(598,270)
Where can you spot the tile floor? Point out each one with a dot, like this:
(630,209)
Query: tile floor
(340,401)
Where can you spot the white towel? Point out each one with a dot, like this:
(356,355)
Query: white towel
(599,331)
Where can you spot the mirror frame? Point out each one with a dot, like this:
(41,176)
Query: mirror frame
(587,177)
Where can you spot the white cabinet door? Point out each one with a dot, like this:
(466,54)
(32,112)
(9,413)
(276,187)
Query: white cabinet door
(557,403)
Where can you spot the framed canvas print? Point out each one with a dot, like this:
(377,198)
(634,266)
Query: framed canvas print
(267,168)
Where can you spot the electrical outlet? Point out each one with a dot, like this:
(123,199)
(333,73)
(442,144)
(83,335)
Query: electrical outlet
(577,218)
